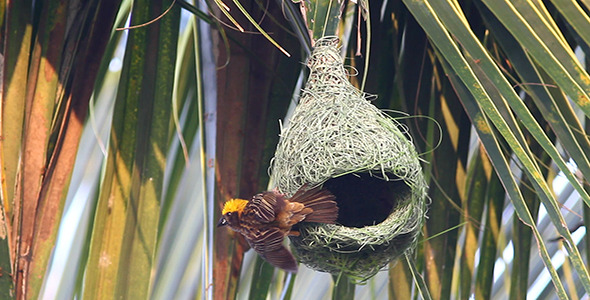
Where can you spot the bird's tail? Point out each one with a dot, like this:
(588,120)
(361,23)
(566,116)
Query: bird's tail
(321,201)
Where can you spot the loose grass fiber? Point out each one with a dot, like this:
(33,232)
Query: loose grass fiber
(336,137)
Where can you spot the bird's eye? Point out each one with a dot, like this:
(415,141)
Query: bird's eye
(229,214)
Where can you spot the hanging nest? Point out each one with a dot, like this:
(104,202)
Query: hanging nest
(337,138)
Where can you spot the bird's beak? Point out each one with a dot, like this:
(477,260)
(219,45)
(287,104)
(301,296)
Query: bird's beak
(222,222)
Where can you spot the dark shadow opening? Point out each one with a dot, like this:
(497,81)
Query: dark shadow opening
(365,200)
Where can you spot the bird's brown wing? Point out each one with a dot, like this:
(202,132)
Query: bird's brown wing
(283,259)
(261,207)
(269,244)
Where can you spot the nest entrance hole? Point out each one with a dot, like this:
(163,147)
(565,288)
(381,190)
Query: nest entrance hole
(365,200)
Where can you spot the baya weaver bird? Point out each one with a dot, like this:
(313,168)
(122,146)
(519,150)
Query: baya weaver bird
(268,217)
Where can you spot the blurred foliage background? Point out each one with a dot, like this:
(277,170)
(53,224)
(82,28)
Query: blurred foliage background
(118,147)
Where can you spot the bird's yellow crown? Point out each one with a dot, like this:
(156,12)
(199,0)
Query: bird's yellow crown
(234,205)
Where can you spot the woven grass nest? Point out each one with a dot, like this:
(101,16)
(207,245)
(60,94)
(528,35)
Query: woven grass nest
(337,138)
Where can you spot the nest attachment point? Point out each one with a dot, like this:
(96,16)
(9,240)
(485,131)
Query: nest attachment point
(337,138)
